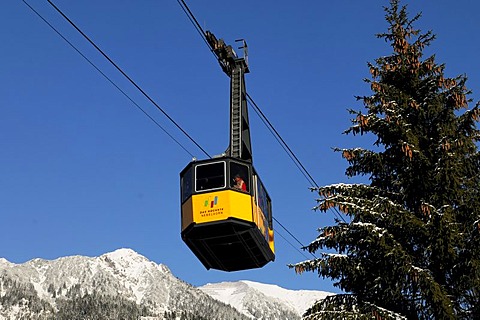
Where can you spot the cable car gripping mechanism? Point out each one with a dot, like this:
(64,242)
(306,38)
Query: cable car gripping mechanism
(227,57)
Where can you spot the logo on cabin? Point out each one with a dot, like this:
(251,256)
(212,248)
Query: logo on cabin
(211,207)
(211,203)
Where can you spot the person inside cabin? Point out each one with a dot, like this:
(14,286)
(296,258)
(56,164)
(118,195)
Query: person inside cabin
(239,183)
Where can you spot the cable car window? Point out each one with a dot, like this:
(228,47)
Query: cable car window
(210,176)
(264,202)
(239,177)
(187,185)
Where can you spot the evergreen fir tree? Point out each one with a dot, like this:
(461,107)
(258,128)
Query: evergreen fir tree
(410,246)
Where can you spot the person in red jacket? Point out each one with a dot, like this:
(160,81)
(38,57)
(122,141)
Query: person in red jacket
(239,183)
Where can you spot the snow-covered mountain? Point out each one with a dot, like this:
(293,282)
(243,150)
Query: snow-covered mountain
(125,285)
(251,298)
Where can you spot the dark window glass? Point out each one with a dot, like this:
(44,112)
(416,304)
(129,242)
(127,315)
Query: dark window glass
(264,202)
(210,176)
(187,185)
(239,177)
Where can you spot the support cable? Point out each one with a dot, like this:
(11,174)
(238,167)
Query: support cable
(291,234)
(107,78)
(127,77)
(282,142)
(194,21)
(291,244)
(289,151)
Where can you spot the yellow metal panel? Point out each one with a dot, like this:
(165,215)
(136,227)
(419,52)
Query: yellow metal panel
(271,240)
(240,205)
(262,224)
(220,205)
(260,221)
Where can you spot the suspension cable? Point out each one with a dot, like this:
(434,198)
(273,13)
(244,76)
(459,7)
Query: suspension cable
(107,78)
(289,151)
(127,77)
(282,142)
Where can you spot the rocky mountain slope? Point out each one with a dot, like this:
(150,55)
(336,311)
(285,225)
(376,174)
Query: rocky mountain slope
(125,285)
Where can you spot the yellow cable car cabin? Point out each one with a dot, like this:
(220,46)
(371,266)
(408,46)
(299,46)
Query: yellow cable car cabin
(226,226)
(226,210)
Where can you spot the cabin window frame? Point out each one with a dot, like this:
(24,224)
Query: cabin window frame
(187,184)
(264,201)
(217,187)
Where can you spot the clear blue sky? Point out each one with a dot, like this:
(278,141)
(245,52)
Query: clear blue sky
(83,172)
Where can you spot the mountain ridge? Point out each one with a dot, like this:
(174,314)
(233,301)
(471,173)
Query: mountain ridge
(129,283)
